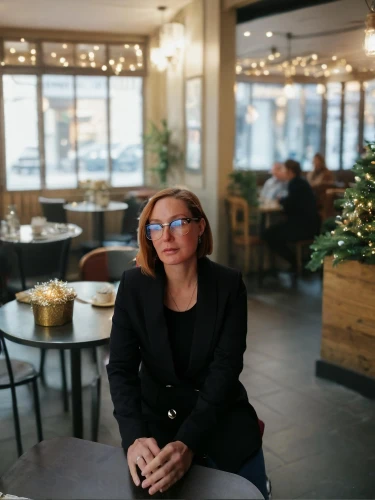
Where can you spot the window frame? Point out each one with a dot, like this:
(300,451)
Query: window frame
(40,69)
(324,112)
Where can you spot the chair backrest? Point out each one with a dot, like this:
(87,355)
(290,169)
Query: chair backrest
(331,195)
(131,216)
(238,217)
(107,264)
(34,260)
(53,209)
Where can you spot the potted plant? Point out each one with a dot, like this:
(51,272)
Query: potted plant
(166,153)
(243,183)
(348,256)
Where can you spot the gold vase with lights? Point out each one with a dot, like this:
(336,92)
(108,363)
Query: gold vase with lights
(52,303)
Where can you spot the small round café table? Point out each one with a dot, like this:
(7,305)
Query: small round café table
(91,327)
(97,212)
(51,232)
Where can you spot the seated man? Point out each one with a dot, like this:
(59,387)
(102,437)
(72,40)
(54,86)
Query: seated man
(276,187)
(302,219)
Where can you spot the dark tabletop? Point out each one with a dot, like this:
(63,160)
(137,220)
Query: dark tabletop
(91,326)
(70,468)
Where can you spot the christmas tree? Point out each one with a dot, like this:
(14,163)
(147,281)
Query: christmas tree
(354,236)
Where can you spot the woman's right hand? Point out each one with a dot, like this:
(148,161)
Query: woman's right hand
(141,453)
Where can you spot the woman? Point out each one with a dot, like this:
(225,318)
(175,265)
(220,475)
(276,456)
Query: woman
(184,319)
(320,173)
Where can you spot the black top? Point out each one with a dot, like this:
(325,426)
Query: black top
(300,204)
(180,327)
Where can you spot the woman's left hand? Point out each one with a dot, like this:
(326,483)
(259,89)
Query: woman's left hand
(167,467)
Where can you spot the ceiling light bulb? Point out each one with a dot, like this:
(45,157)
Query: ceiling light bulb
(247,33)
(262,64)
(53,54)
(238,69)
(348,68)
(12,50)
(271,57)
(22,40)
(64,46)
(83,56)
(33,58)
(21,59)
(62,59)
(369,43)
(104,67)
(111,62)
(269,34)
(96,47)
(93,64)
(122,59)
(33,51)
(324,66)
(136,47)
(334,58)
(132,67)
(126,46)
(266,72)
(66,64)
(254,65)
(277,55)
(314,57)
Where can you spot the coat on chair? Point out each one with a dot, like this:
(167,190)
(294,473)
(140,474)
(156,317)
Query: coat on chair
(207,409)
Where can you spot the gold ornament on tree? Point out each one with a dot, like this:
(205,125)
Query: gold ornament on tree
(52,303)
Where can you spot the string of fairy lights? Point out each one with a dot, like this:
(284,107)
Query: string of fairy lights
(122,57)
(314,65)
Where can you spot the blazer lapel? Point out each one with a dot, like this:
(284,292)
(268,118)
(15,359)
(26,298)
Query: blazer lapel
(205,317)
(156,325)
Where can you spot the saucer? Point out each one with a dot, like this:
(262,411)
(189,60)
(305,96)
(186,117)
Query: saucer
(95,303)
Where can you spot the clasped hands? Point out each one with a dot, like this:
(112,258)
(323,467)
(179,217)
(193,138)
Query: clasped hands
(161,468)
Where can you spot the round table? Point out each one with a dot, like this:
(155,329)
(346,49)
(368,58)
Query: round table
(91,327)
(98,214)
(52,232)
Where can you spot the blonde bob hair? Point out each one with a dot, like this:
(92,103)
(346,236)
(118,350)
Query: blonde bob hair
(147,256)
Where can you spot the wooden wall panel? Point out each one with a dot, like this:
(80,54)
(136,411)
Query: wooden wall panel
(348,336)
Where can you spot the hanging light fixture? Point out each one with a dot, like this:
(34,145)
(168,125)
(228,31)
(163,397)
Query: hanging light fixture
(369,43)
(289,88)
(171,43)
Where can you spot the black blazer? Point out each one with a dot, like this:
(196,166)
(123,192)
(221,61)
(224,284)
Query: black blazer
(211,413)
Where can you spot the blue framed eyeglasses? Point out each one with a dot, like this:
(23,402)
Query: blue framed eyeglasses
(178,227)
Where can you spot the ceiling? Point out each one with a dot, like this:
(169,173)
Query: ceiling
(139,17)
(332,16)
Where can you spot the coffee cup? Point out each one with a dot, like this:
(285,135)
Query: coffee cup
(105,294)
(37,225)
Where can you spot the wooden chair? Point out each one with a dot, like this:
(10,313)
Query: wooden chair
(107,263)
(239,234)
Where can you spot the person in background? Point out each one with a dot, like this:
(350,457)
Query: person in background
(302,219)
(275,187)
(176,352)
(320,173)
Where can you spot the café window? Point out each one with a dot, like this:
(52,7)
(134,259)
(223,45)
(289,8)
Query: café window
(62,125)
(272,125)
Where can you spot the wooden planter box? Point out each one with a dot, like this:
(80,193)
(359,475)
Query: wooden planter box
(348,334)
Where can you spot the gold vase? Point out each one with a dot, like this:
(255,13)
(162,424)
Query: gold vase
(53,315)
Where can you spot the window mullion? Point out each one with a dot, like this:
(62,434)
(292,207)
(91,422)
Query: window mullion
(40,115)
